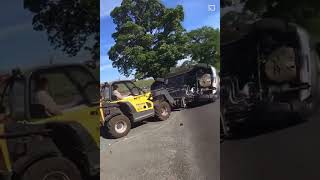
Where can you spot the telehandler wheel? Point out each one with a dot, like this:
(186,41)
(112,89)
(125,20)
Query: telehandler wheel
(119,126)
(162,110)
(52,168)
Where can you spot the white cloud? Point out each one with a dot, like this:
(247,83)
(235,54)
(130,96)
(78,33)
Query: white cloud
(106,6)
(105,67)
(213,21)
(104,48)
(105,63)
(180,62)
(104,59)
(8,31)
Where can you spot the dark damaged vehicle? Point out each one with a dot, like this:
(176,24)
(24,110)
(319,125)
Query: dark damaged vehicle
(191,84)
(273,68)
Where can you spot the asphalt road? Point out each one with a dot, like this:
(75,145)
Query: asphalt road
(185,147)
(287,153)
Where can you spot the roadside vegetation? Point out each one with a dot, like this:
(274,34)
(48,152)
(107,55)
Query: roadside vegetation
(303,13)
(144,84)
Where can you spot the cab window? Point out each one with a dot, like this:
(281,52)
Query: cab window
(105,93)
(122,88)
(86,82)
(4,99)
(134,90)
(16,99)
(65,94)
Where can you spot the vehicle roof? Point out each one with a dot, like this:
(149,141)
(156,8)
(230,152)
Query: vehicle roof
(119,81)
(183,70)
(53,66)
(26,71)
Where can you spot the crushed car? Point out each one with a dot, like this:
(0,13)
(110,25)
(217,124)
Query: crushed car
(191,84)
(272,68)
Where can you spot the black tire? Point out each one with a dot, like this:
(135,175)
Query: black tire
(54,167)
(114,130)
(162,110)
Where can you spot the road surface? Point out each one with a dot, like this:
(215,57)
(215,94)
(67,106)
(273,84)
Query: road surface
(185,147)
(286,153)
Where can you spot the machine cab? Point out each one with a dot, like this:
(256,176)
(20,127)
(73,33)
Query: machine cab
(131,95)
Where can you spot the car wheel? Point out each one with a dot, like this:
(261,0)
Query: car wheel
(162,110)
(57,168)
(119,126)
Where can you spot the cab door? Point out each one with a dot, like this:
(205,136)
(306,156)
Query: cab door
(139,99)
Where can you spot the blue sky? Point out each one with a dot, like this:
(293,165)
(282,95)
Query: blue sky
(196,16)
(23,47)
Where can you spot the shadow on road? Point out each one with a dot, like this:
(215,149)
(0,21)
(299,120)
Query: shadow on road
(198,104)
(104,132)
(265,124)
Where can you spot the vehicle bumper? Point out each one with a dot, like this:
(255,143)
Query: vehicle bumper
(293,107)
(205,97)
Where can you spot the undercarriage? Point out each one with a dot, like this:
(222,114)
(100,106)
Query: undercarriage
(276,74)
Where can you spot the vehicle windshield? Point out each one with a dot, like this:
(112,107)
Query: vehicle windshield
(105,93)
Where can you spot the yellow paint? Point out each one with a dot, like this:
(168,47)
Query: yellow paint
(101,114)
(4,151)
(139,102)
(83,115)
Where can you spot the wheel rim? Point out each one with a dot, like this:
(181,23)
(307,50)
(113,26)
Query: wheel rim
(120,127)
(164,111)
(56,175)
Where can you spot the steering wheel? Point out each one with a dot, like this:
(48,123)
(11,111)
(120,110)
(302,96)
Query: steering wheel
(135,91)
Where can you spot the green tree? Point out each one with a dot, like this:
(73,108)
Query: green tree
(304,13)
(149,38)
(204,46)
(71,25)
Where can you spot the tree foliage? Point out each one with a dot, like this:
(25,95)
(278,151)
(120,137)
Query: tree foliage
(204,46)
(149,38)
(71,25)
(305,13)
(291,11)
